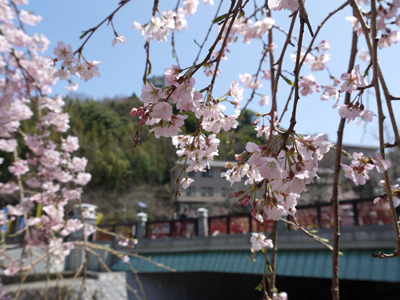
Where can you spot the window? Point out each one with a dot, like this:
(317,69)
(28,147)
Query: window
(227,192)
(191,174)
(190,191)
(207,173)
(207,191)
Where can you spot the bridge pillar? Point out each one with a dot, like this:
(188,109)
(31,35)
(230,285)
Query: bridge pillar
(141,220)
(202,222)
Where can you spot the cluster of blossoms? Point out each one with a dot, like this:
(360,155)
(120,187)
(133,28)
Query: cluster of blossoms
(384,198)
(360,167)
(159,27)
(352,82)
(84,70)
(245,28)
(317,61)
(276,176)
(199,150)
(48,170)
(158,110)
(249,81)
(387,16)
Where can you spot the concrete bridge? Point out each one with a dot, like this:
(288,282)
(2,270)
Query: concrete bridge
(222,244)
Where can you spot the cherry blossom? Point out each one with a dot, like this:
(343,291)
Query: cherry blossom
(259,241)
(308,85)
(353,80)
(186,182)
(395,190)
(291,5)
(156,29)
(19,168)
(119,40)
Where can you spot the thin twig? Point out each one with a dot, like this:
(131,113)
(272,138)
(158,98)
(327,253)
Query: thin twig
(208,33)
(315,237)
(381,255)
(93,30)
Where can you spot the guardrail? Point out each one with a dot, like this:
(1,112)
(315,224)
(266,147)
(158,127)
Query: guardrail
(360,212)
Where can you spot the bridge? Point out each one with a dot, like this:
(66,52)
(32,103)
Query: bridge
(222,244)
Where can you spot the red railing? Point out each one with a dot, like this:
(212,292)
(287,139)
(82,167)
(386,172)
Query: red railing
(351,213)
(158,230)
(184,228)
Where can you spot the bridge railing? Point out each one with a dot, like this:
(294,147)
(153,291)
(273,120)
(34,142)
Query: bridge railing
(351,213)
(173,228)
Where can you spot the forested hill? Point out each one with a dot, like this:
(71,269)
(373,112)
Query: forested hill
(106,132)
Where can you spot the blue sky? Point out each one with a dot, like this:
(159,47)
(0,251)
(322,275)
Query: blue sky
(123,65)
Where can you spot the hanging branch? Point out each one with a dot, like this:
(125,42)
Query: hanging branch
(385,89)
(304,16)
(336,179)
(373,50)
(147,67)
(279,62)
(310,48)
(374,57)
(296,87)
(174,52)
(221,51)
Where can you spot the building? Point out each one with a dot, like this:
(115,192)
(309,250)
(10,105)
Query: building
(208,187)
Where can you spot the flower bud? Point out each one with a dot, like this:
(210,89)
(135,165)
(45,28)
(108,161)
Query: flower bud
(141,111)
(246,200)
(133,112)
(299,158)
(238,193)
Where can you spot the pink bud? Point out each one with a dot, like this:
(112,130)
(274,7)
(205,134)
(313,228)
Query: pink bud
(133,112)
(238,193)
(246,200)
(142,121)
(140,112)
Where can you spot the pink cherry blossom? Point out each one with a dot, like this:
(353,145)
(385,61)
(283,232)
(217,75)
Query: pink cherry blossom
(162,110)
(151,94)
(291,5)
(186,182)
(259,241)
(381,164)
(71,144)
(353,80)
(82,178)
(19,168)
